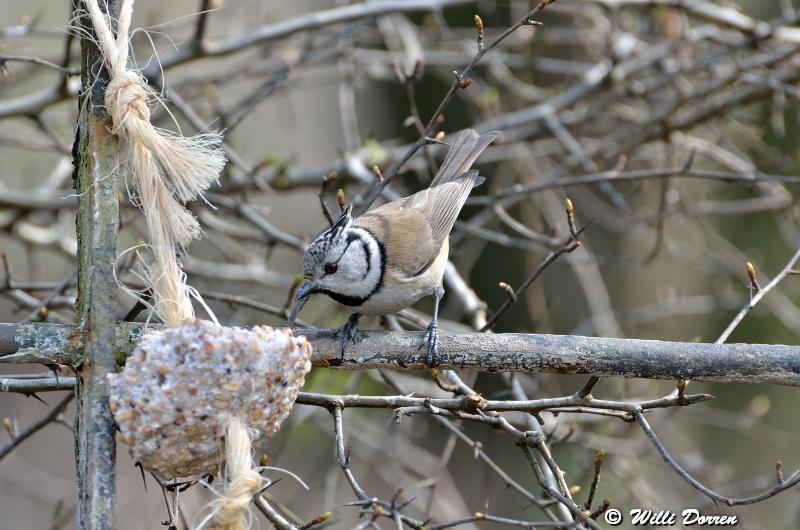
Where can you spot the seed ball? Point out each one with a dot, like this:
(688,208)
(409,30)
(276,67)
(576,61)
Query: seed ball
(180,385)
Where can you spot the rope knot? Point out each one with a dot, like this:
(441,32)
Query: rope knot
(126,98)
(237,500)
(167,168)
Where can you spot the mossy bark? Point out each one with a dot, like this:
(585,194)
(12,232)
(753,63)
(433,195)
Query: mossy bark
(97,165)
(513,352)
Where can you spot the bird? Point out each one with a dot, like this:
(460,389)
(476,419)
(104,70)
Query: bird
(393,255)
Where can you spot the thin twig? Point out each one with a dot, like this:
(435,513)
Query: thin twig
(598,465)
(461,81)
(793,480)
(272,514)
(567,246)
(36,60)
(36,426)
(757,298)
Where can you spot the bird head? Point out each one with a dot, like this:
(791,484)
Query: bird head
(344,262)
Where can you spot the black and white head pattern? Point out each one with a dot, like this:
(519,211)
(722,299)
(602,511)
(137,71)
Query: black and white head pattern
(345,262)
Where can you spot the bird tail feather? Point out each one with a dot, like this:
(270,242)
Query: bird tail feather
(464,150)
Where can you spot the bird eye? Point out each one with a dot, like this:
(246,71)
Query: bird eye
(331,268)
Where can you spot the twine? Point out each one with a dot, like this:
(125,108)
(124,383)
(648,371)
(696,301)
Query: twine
(243,482)
(168,169)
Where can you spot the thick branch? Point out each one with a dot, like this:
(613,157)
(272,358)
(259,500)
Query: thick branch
(565,354)
(97,158)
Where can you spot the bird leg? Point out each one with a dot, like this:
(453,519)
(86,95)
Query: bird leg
(431,338)
(349,330)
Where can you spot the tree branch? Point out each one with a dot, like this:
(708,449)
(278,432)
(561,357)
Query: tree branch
(461,81)
(35,427)
(758,296)
(782,485)
(565,354)
(97,156)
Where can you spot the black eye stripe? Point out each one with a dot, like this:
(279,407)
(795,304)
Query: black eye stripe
(371,246)
(363,237)
(351,238)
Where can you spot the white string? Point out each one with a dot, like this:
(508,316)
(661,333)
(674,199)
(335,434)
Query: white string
(168,169)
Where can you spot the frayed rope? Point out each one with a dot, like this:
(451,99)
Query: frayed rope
(243,482)
(168,169)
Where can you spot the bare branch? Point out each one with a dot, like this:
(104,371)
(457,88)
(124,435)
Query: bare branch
(35,427)
(668,458)
(272,514)
(760,293)
(461,81)
(566,354)
(567,246)
(34,385)
(36,60)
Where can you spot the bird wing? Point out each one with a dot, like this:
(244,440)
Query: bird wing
(406,233)
(441,205)
(415,227)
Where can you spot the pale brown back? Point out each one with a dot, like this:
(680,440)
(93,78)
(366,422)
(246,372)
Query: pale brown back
(415,227)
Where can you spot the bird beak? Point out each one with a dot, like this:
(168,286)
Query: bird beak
(306,289)
(303,292)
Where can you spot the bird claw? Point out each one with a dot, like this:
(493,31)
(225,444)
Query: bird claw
(431,339)
(349,331)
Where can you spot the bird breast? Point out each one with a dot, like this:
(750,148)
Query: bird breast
(400,291)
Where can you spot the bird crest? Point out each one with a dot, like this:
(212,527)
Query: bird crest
(319,248)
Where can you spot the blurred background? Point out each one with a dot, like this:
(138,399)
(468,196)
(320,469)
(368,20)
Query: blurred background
(604,88)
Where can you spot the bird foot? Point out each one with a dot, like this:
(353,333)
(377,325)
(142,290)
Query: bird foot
(349,331)
(431,339)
